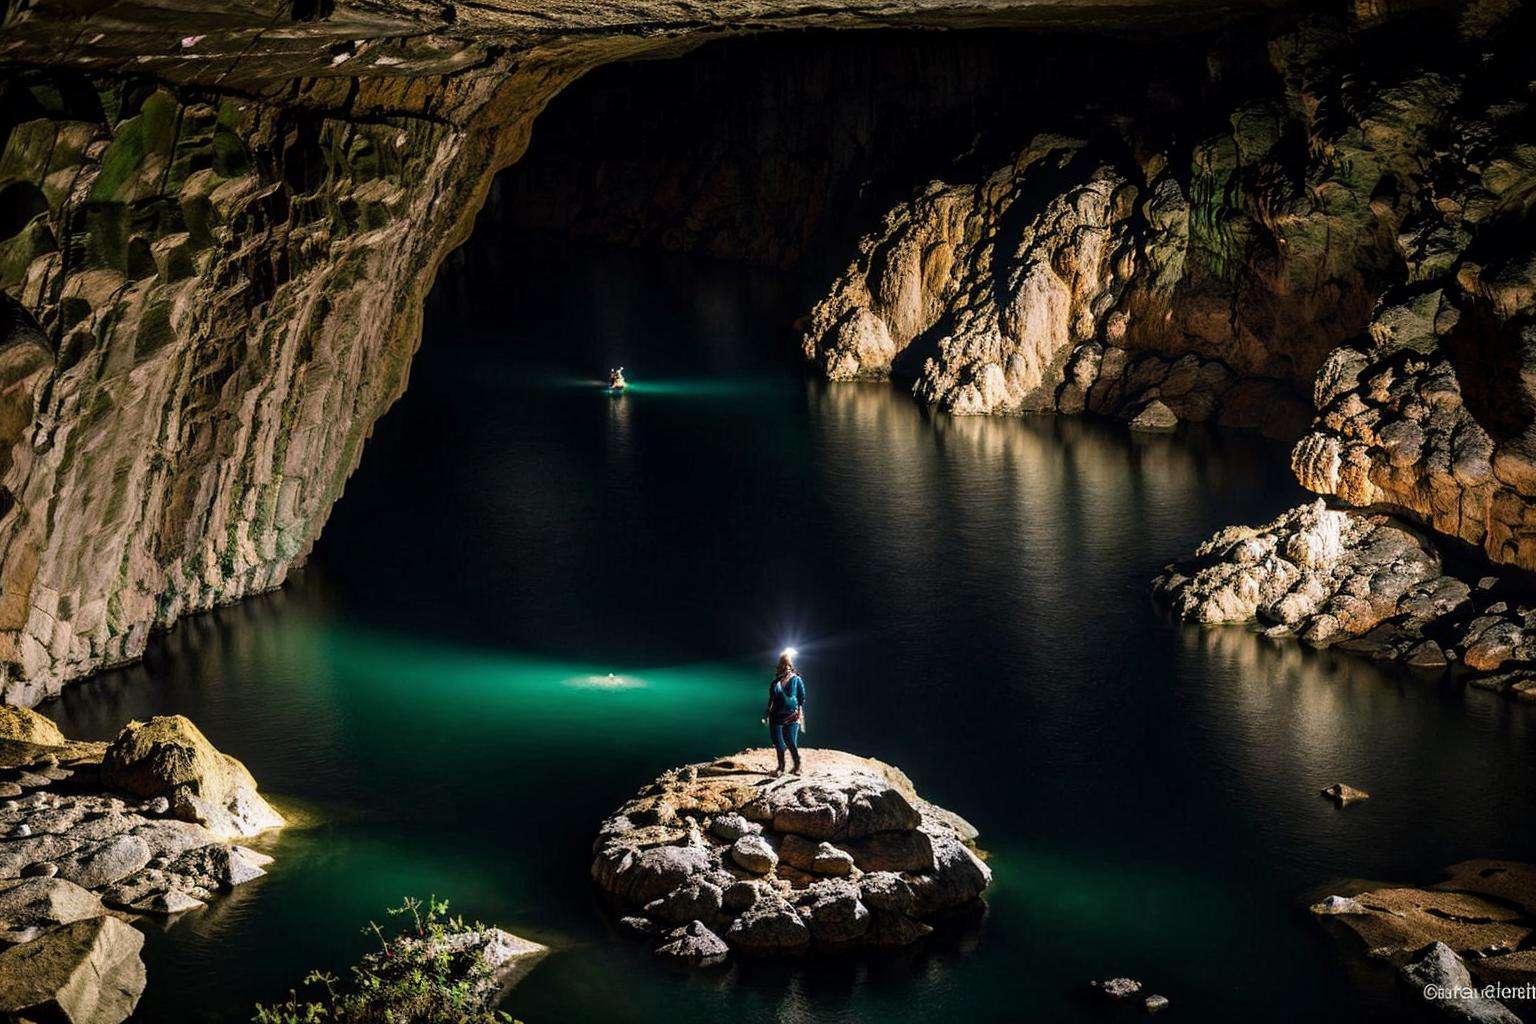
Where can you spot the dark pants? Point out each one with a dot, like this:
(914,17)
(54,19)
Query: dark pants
(786,735)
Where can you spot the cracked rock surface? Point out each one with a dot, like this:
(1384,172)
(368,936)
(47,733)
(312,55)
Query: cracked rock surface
(78,855)
(1365,583)
(723,857)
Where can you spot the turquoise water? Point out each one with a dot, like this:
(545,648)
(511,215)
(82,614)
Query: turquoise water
(534,597)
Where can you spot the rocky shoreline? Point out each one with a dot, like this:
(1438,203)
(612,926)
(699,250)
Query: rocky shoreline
(1477,923)
(1360,582)
(93,835)
(723,857)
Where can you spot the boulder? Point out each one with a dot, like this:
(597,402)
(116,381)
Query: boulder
(27,726)
(85,972)
(834,914)
(694,899)
(1343,794)
(754,854)
(1439,977)
(1117,988)
(1155,418)
(33,905)
(104,863)
(770,925)
(167,756)
(505,959)
(693,945)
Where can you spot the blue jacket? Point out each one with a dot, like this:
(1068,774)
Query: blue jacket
(786,698)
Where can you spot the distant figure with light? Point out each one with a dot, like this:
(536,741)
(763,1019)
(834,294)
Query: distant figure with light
(786,709)
(616,381)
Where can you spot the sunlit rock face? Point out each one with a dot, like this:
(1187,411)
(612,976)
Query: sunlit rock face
(1213,264)
(216,227)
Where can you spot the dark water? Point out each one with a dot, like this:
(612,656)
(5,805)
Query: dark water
(429,699)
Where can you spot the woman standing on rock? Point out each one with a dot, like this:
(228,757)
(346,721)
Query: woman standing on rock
(786,710)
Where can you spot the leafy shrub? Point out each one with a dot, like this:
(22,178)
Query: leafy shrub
(422,975)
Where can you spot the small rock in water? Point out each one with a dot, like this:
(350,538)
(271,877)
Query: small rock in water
(1154,1003)
(693,944)
(1338,905)
(1427,655)
(1155,417)
(1118,988)
(1343,794)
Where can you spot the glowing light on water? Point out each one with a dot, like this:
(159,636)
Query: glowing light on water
(611,681)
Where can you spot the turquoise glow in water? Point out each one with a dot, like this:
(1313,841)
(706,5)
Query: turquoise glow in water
(432,700)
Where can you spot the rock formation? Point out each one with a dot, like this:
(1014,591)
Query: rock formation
(1474,923)
(724,857)
(1356,230)
(216,229)
(74,852)
(1365,583)
(168,759)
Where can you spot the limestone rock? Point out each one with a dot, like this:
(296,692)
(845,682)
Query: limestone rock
(1343,794)
(504,958)
(1437,969)
(1155,418)
(1396,921)
(85,972)
(34,905)
(754,854)
(168,756)
(693,945)
(770,925)
(845,855)
(28,726)
(1118,988)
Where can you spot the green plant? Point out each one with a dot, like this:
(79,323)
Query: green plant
(422,975)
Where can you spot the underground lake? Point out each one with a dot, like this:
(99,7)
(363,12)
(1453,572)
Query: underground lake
(581,591)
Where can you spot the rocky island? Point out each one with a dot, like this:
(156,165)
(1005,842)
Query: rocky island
(723,857)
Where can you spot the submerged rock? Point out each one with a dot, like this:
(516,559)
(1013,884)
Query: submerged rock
(845,855)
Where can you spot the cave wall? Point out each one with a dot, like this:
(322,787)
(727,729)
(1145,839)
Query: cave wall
(217,225)
(1359,229)
(782,150)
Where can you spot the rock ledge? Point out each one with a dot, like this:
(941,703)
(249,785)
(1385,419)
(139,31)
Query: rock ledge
(723,857)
